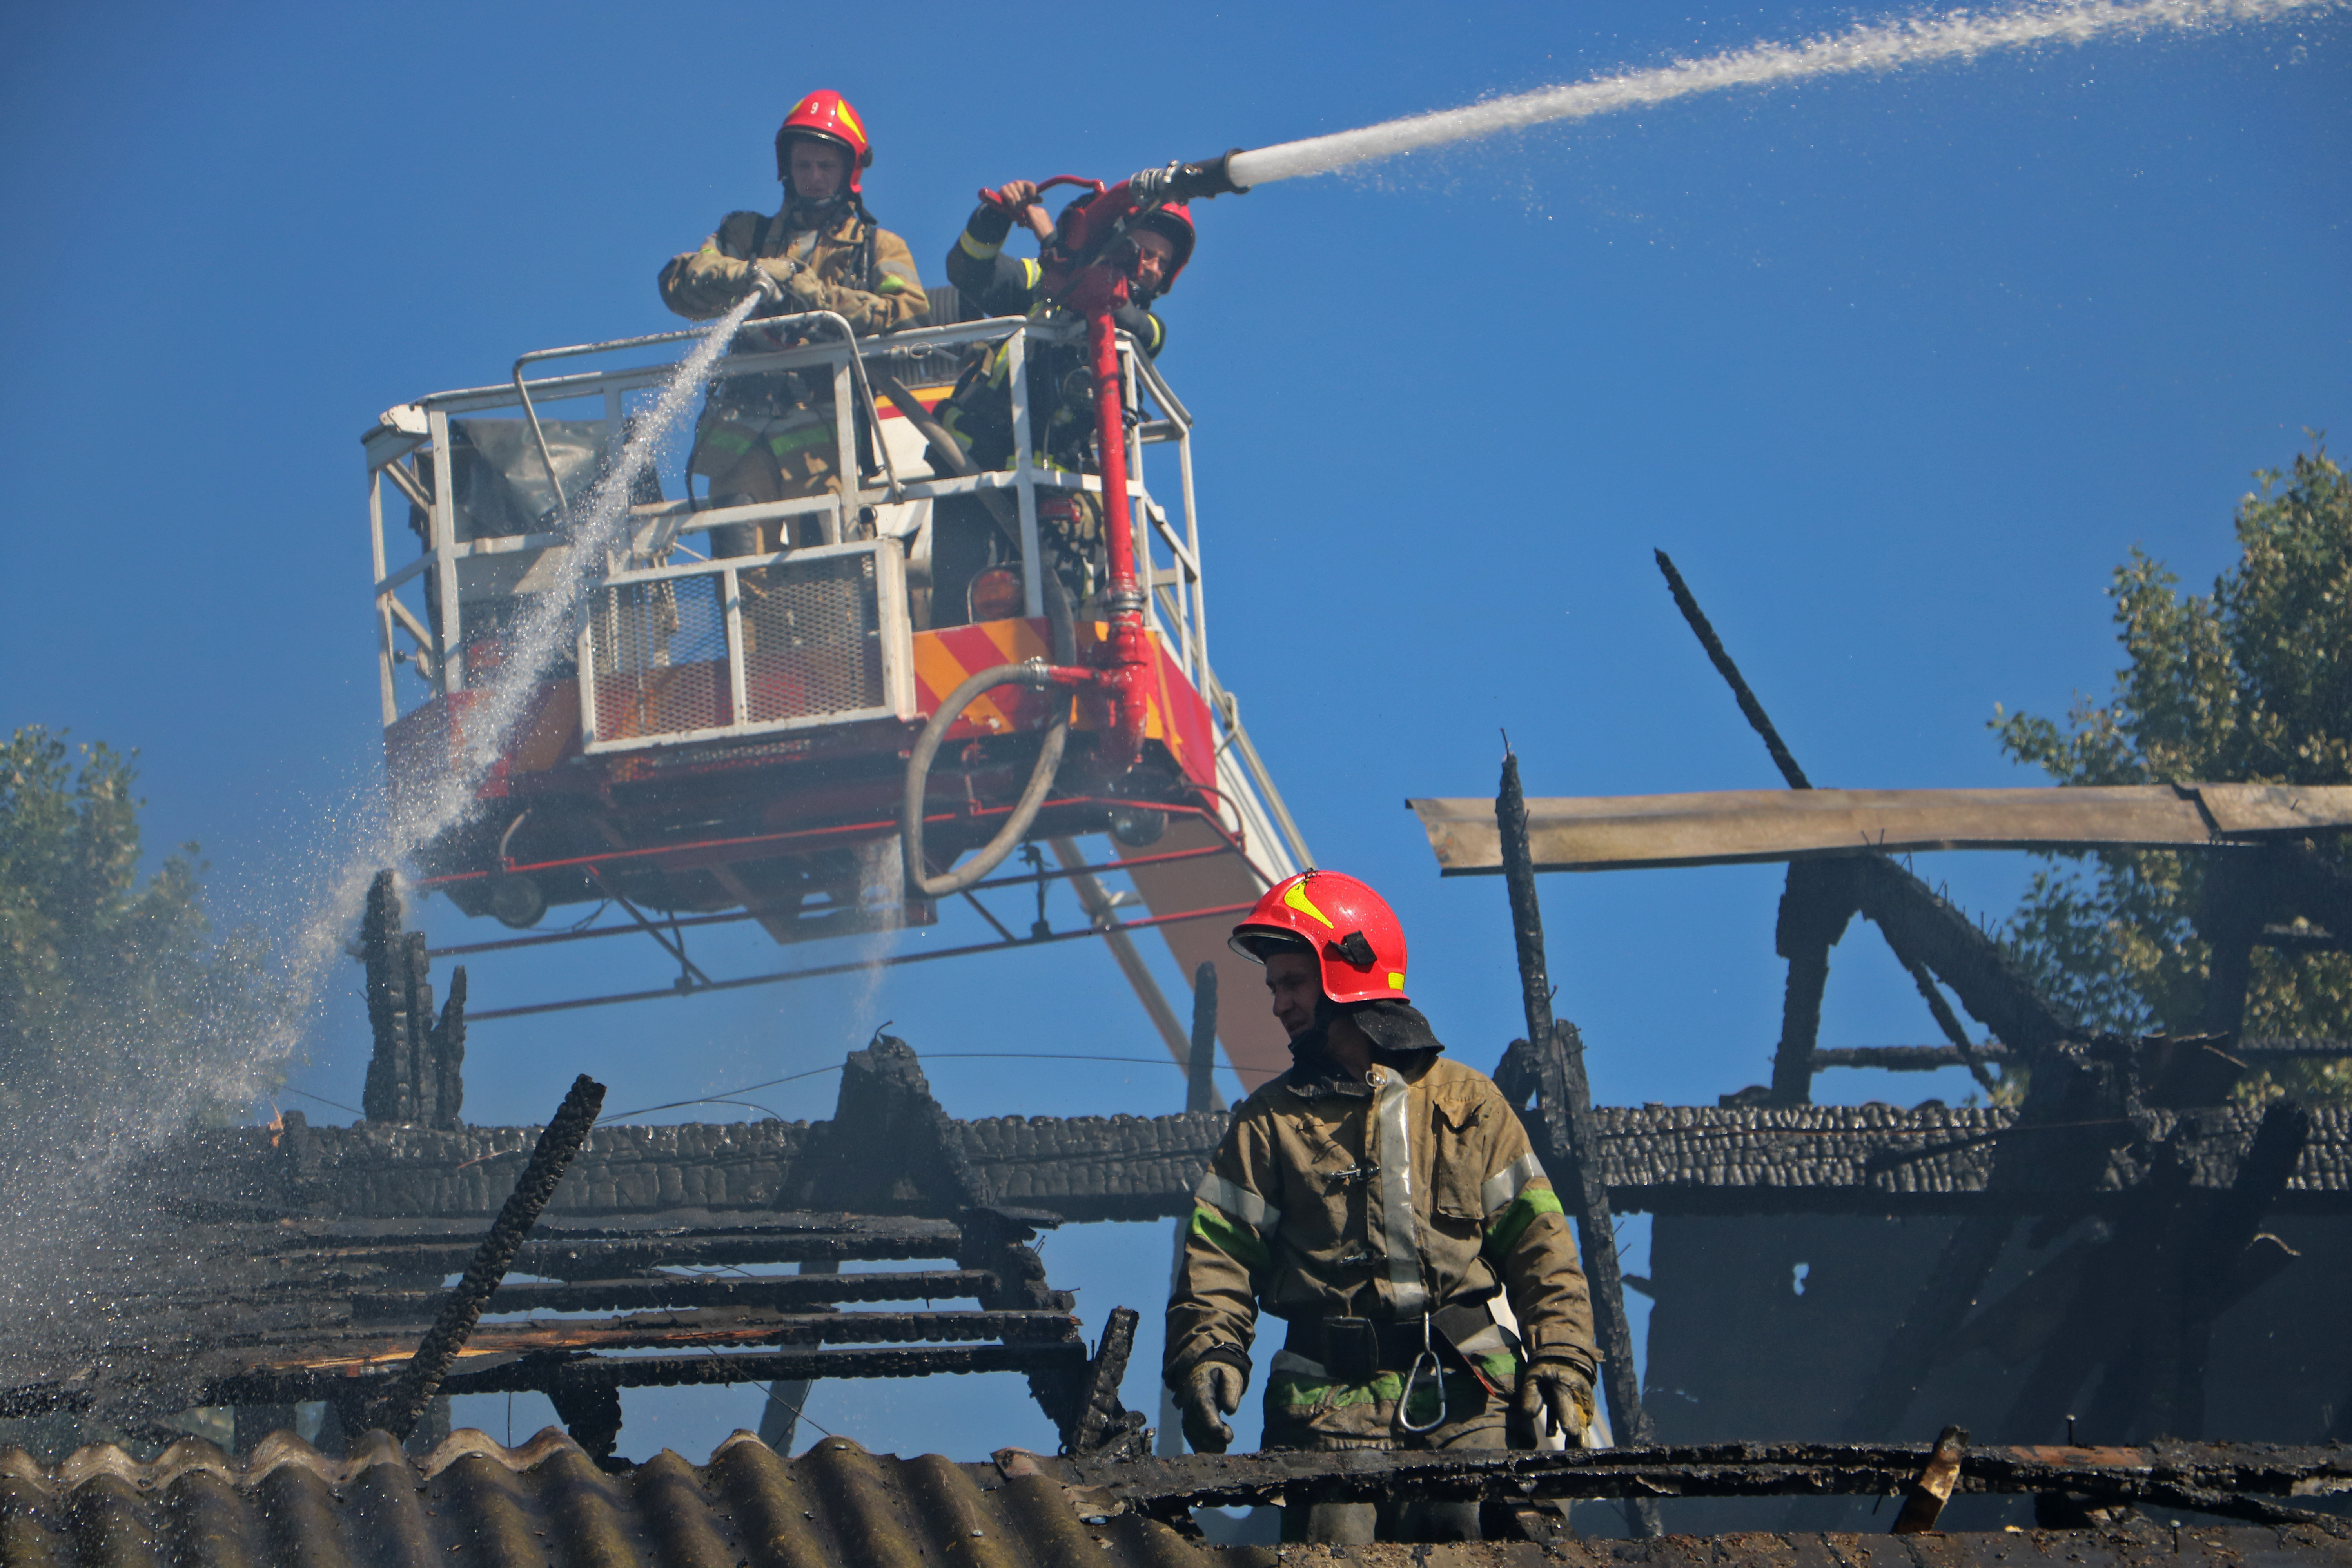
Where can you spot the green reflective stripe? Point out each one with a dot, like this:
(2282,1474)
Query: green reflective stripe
(1299,1391)
(978,249)
(791,441)
(1031,273)
(1512,1222)
(730,438)
(1234,1241)
(892,284)
(1296,1392)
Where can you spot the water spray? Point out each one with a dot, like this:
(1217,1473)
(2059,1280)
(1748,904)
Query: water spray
(1087,259)
(1869,47)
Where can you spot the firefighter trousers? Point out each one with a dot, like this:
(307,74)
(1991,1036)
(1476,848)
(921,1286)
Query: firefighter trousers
(1359,1416)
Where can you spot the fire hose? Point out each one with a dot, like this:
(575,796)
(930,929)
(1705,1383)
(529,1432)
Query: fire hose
(1029,673)
(1084,270)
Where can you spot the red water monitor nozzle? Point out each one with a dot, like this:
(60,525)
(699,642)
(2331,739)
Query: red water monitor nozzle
(1088,265)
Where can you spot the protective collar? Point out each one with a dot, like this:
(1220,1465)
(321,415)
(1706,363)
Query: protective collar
(1402,1040)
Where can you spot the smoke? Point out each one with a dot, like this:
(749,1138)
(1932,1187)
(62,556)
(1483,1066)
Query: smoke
(1871,46)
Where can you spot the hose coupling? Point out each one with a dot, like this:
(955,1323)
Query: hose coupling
(1182,182)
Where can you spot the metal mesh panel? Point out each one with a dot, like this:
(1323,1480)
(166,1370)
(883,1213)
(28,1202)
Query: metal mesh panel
(813,640)
(661,658)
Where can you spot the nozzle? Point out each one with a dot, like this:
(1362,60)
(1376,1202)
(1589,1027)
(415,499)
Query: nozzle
(1188,182)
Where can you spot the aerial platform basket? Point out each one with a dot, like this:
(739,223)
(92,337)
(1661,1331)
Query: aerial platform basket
(724,737)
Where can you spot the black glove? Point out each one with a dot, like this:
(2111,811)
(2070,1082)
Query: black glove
(1213,1393)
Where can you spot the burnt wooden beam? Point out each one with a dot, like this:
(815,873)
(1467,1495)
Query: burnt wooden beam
(1815,902)
(1104,1426)
(1931,1488)
(421,1379)
(1750,709)
(1200,1060)
(1941,1304)
(2122,1324)
(1569,1144)
(2253,1481)
(2144,1298)
(696,1329)
(416,1070)
(2219,1254)
(1818,900)
(1926,931)
(775,1292)
(2055,1148)
(539,1375)
(1820,897)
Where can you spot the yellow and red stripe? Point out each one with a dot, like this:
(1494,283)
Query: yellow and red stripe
(1175,714)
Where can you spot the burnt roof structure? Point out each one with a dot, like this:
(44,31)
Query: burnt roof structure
(2123,1249)
(472,1501)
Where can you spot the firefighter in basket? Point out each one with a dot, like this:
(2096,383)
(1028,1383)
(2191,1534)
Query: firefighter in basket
(979,412)
(770,436)
(1380,1199)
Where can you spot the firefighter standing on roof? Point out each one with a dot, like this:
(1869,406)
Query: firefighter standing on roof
(1061,408)
(771,437)
(1379,1198)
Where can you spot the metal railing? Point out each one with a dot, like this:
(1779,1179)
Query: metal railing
(673,651)
(748,645)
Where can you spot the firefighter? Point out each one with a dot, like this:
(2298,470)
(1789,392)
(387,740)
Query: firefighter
(771,437)
(1379,1198)
(1061,407)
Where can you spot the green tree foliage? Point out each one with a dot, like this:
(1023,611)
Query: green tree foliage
(111,990)
(2251,683)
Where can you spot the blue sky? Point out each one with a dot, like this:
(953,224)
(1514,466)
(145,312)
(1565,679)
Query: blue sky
(1897,367)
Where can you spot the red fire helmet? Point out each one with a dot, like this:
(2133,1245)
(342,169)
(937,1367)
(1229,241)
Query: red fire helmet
(825,115)
(1174,222)
(1350,929)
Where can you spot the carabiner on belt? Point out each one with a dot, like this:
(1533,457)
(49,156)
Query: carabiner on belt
(1404,1401)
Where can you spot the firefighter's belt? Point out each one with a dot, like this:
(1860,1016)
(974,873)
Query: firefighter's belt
(1356,1349)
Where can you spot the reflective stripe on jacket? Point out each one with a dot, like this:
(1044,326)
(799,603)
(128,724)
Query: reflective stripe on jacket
(980,410)
(1380,1200)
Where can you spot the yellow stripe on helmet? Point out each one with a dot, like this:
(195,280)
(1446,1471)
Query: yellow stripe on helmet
(1297,899)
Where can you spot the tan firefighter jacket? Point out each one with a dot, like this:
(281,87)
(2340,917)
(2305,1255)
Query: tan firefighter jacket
(1329,1199)
(860,269)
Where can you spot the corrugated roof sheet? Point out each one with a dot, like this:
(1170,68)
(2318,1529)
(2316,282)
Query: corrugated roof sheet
(472,1501)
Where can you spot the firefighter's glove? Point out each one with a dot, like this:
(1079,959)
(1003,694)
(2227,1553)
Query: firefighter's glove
(1555,1396)
(1213,1393)
(757,279)
(789,282)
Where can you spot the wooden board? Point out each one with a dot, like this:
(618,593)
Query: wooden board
(1739,826)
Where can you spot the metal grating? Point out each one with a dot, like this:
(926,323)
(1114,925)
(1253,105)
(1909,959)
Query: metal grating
(812,638)
(661,656)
